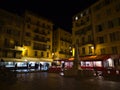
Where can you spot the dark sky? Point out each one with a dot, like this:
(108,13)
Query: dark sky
(59,11)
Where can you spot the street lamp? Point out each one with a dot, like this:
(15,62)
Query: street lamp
(53,55)
(92,47)
(93,50)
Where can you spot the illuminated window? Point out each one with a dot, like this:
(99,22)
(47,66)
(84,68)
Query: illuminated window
(83,63)
(81,14)
(76,18)
(110,62)
(97,63)
(89,64)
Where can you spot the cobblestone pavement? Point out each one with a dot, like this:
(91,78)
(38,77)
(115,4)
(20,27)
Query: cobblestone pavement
(53,81)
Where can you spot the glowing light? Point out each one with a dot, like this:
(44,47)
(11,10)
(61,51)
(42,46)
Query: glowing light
(73,52)
(92,47)
(61,73)
(81,14)
(52,54)
(76,18)
(25,60)
(117,72)
(110,62)
(108,72)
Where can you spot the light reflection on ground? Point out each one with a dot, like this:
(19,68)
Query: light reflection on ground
(54,81)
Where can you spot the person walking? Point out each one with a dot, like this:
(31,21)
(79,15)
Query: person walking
(40,66)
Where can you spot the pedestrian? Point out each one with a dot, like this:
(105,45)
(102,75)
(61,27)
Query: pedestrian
(40,66)
(29,65)
(95,70)
(15,66)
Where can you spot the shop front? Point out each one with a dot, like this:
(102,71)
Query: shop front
(104,64)
(99,63)
(27,63)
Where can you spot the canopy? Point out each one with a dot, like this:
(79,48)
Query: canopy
(98,57)
(93,58)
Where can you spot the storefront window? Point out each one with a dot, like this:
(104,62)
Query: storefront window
(83,63)
(108,63)
(97,63)
(89,64)
(9,64)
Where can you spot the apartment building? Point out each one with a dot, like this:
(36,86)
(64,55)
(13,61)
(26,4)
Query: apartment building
(62,44)
(11,27)
(25,40)
(99,27)
(82,31)
(96,31)
(106,24)
(37,38)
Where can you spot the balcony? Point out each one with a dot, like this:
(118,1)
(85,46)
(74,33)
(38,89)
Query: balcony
(64,52)
(86,42)
(40,39)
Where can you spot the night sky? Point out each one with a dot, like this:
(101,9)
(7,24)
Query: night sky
(60,12)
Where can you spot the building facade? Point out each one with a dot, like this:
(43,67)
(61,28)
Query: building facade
(37,38)
(98,27)
(62,43)
(11,26)
(25,40)
(82,32)
(100,43)
(106,26)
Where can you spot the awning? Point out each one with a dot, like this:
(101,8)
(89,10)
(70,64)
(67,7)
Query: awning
(12,60)
(95,58)
(98,57)
(25,59)
(37,59)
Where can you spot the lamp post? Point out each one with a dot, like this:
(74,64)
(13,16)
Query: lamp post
(53,55)
(76,65)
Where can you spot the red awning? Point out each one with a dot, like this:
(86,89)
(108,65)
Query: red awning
(95,58)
